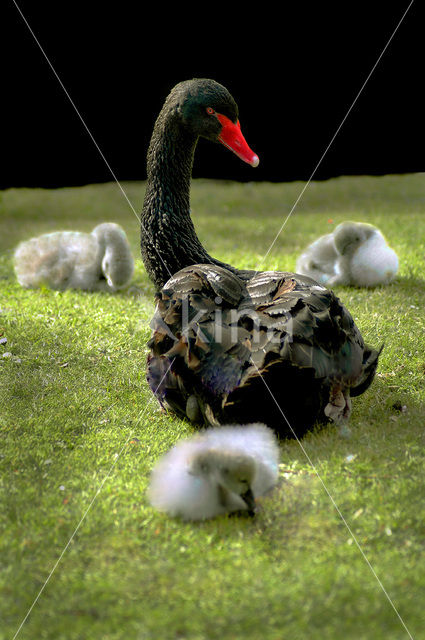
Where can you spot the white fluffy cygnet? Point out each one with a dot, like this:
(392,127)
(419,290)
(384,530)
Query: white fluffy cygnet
(356,253)
(96,261)
(221,470)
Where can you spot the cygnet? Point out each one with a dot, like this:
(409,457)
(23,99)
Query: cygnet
(96,261)
(219,471)
(356,254)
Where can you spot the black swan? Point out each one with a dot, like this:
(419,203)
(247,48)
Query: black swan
(219,471)
(233,346)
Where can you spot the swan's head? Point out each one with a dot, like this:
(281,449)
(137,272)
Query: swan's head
(208,110)
(348,236)
(232,472)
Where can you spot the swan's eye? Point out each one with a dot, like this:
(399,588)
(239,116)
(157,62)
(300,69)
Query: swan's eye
(210,111)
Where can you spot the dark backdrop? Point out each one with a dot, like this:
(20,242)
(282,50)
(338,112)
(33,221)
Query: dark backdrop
(293,68)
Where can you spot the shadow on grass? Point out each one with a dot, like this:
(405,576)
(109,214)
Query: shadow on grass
(407,284)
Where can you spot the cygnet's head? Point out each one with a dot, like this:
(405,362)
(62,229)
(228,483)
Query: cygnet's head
(348,236)
(117,261)
(233,473)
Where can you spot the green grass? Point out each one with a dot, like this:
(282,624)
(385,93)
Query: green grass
(76,417)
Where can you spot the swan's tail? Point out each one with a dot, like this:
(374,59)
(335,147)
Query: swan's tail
(370,364)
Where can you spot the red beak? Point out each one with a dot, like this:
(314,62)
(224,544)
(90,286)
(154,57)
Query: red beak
(232,138)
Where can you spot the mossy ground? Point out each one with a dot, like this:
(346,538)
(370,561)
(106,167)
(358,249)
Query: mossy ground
(80,431)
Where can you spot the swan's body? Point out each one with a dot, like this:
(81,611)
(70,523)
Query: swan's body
(356,254)
(217,472)
(100,260)
(232,346)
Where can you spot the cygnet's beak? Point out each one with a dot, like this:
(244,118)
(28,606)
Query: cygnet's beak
(248,498)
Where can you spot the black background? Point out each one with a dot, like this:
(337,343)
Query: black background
(293,68)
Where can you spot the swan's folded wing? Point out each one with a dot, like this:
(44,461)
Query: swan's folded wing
(195,326)
(285,328)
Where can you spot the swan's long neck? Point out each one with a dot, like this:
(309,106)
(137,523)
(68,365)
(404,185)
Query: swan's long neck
(168,238)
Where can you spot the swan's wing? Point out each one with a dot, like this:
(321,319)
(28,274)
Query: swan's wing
(195,327)
(307,349)
(286,342)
